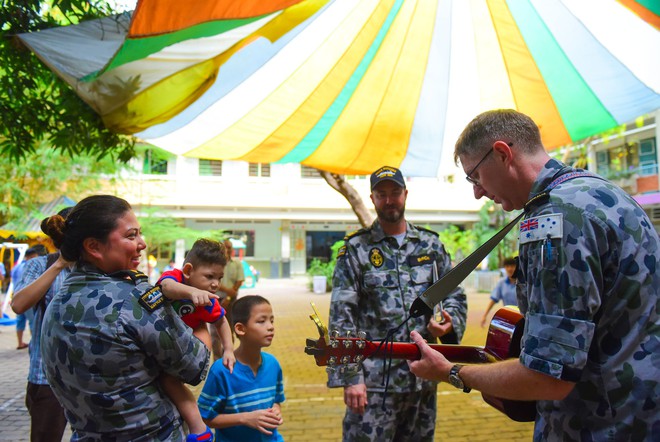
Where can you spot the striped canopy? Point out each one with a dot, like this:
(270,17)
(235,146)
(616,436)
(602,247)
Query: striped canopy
(346,86)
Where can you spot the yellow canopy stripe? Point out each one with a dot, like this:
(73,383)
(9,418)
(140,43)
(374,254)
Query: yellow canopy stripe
(530,92)
(166,98)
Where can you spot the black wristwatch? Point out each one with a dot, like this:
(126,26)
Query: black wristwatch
(455,379)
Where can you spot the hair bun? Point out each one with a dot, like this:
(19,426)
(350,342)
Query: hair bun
(53,226)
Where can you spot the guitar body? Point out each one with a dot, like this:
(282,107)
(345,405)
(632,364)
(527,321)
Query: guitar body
(503,342)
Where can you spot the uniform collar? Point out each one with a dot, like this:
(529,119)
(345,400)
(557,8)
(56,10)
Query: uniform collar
(551,171)
(378,234)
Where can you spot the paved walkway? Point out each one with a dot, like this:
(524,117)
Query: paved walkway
(311,412)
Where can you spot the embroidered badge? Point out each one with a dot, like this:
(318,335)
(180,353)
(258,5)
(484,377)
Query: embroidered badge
(376,257)
(541,228)
(152,298)
(341,252)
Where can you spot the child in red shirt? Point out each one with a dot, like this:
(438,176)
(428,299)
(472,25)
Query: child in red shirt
(192,290)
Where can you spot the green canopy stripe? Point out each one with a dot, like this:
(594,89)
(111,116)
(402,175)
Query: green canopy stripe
(581,111)
(318,133)
(137,48)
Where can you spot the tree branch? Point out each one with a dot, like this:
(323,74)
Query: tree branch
(339,183)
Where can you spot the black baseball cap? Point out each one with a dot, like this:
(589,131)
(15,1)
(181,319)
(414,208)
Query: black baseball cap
(387,173)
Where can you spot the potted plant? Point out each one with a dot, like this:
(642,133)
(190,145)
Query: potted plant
(321,272)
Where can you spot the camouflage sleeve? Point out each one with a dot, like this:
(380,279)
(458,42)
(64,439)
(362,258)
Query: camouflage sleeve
(558,335)
(456,302)
(343,312)
(167,341)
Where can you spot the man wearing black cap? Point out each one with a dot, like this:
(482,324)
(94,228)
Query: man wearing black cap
(380,271)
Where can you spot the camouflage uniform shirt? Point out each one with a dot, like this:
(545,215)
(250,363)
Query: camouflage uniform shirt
(374,284)
(590,297)
(106,345)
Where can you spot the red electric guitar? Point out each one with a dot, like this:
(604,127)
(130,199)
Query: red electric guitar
(503,342)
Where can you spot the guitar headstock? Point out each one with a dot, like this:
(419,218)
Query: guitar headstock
(332,350)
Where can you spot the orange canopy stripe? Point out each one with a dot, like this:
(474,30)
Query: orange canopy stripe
(155,17)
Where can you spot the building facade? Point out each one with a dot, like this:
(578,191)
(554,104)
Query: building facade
(286,214)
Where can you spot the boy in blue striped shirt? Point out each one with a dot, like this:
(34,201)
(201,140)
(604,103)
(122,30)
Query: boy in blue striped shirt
(245,405)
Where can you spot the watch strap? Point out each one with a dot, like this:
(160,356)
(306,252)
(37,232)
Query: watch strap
(455,372)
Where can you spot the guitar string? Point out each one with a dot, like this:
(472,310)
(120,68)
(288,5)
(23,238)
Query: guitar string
(388,341)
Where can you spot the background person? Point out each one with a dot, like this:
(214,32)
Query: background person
(504,291)
(588,287)
(109,335)
(245,405)
(41,279)
(22,319)
(380,271)
(229,286)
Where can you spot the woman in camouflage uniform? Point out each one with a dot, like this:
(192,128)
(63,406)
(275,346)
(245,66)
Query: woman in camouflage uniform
(108,334)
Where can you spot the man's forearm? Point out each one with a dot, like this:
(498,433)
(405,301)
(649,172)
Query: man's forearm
(511,380)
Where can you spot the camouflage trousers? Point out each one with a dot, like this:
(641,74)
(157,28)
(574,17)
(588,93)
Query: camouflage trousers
(406,417)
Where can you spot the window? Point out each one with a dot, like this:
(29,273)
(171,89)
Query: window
(309,172)
(618,162)
(260,169)
(155,162)
(210,167)
(648,160)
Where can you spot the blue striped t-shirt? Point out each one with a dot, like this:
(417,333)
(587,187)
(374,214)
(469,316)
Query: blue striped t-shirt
(239,392)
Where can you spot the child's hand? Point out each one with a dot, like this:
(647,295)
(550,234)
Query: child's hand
(228,360)
(201,297)
(264,420)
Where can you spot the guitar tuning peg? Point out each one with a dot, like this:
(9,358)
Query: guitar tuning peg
(362,335)
(358,358)
(348,334)
(332,360)
(334,336)
(348,344)
(345,359)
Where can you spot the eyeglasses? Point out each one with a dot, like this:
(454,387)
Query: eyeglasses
(469,174)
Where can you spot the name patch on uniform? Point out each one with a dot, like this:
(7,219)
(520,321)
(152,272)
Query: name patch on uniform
(376,257)
(541,228)
(152,298)
(419,260)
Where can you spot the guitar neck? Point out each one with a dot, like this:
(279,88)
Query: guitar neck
(410,351)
